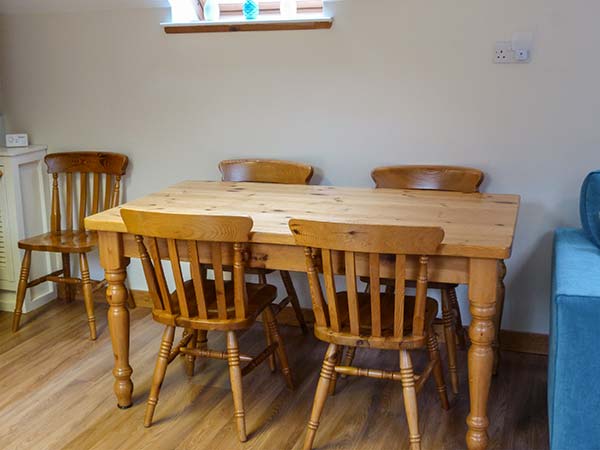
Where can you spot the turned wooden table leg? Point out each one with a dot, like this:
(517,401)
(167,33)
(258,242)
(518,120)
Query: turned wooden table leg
(483,281)
(499,311)
(114,264)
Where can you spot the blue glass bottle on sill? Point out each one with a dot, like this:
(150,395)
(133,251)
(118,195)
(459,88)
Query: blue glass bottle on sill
(251,9)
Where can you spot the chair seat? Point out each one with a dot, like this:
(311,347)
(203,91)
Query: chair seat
(431,285)
(62,242)
(387,341)
(248,270)
(256,271)
(259,297)
(412,283)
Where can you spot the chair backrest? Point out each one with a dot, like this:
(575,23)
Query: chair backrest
(266,171)
(340,245)
(439,178)
(74,171)
(202,241)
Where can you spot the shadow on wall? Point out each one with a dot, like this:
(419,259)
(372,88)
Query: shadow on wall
(318,176)
(535,232)
(523,285)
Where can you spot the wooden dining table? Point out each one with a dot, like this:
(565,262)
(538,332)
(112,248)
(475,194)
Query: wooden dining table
(479,232)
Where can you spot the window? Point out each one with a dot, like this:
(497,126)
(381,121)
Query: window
(187,17)
(189,10)
(232,7)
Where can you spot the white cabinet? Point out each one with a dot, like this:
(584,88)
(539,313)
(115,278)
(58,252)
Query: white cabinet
(24,212)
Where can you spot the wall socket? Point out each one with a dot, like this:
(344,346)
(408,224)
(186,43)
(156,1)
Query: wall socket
(17,140)
(504,53)
(517,51)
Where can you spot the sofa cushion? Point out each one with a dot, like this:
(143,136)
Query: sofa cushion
(574,360)
(589,206)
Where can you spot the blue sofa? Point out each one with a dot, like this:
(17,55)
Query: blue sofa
(574,359)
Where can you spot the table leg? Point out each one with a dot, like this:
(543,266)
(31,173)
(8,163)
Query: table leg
(483,281)
(114,264)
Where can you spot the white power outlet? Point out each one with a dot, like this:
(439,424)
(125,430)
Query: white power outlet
(512,52)
(17,140)
(504,53)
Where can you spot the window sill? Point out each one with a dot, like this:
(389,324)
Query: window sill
(263,23)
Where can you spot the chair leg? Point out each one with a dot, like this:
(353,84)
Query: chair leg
(461,334)
(190,360)
(438,374)
(321,395)
(202,340)
(281,354)
(159,373)
(335,375)
(235,375)
(409,393)
(130,300)
(88,298)
(262,279)
(348,358)
(293,296)
(498,318)
(21,290)
(450,335)
(67,288)
(271,358)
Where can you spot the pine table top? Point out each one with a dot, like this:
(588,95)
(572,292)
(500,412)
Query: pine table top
(475,225)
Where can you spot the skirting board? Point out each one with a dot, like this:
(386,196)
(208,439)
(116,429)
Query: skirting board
(512,341)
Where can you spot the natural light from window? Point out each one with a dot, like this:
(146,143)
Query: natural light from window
(186,11)
(183,11)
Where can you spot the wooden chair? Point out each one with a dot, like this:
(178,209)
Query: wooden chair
(439,178)
(391,321)
(433,178)
(271,171)
(73,171)
(200,305)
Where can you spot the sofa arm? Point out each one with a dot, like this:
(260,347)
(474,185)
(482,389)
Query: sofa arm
(574,357)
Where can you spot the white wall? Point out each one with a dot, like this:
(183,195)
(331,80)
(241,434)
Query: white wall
(1,84)
(394,82)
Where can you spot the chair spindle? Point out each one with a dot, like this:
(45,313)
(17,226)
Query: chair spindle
(83,182)
(332,300)
(375,294)
(197,279)
(353,308)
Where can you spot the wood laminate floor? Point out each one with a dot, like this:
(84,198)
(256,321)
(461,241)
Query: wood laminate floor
(56,393)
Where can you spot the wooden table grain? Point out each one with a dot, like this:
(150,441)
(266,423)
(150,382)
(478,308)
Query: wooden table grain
(479,231)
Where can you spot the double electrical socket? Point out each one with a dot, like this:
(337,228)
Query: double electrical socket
(506,54)
(517,51)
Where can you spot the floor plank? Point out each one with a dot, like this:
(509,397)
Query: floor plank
(56,393)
